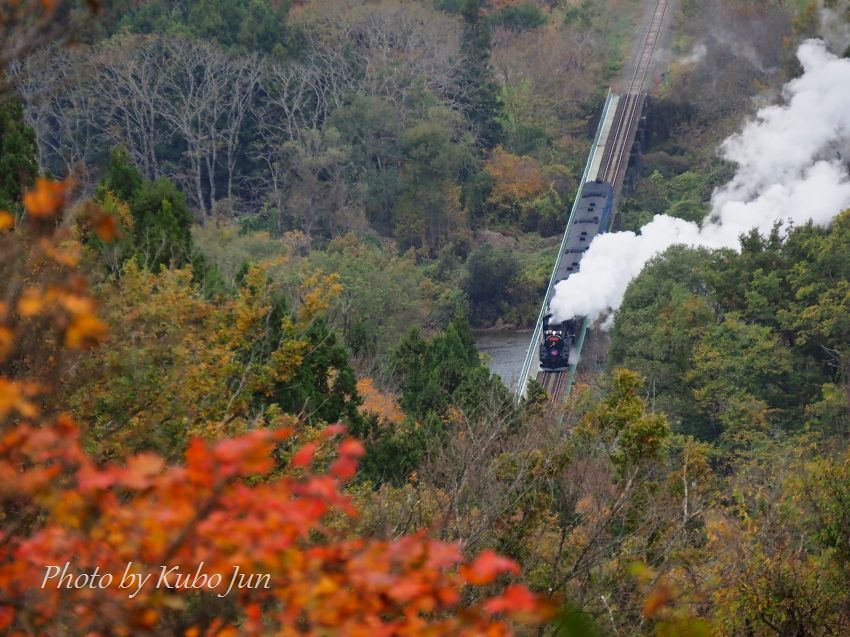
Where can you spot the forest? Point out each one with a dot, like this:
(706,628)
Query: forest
(243,249)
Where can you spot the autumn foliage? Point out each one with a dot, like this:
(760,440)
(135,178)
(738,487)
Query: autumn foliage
(266,502)
(516,178)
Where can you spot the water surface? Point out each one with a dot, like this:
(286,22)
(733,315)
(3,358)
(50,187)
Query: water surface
(504,351)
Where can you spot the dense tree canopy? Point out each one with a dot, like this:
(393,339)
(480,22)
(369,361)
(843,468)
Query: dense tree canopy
(749,340)
(254,25)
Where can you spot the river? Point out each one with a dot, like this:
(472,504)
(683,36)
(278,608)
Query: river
(504,352)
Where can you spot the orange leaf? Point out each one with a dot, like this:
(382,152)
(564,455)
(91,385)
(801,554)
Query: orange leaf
(448,596)
(515,599)
(199,465)
(657,600)
(46,198)
(77,304)
(250,454)
(253,612)
(6,220)
(333,430)
(487,567)
(106,228)
(7,616)
(442,555)
(13,396)
(353,448)
(90,478)
(67,253)
(406,590)
(344,468)
(140,469)
(7,338)
(283,433)
(304,456)
(30,302)
(85,330)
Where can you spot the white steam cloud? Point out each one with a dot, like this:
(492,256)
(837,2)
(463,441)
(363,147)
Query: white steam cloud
(790,167)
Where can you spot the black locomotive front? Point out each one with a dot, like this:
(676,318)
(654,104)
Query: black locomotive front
(555,345)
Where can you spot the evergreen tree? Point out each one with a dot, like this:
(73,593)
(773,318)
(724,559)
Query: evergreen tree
(18,154)
(480,95)
(161,225)
(444,371)
(393,451)
(122,178)
(324,388)
(490,275)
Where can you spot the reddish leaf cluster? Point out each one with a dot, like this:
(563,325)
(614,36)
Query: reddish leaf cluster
(233,522)
(151,515)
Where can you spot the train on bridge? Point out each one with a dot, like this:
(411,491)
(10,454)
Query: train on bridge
(592,217)
(554,349)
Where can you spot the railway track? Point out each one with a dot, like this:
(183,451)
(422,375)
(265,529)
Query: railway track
(614,165)
(553,382)
(615,161)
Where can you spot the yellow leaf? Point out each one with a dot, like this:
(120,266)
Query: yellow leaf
(30,302)
(326,586)
(85,330)
(13,397)
(76,304)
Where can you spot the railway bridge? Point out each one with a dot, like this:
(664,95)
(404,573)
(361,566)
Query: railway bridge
(616,148)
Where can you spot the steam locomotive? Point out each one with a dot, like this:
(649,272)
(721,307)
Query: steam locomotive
(593,217)
(555,344)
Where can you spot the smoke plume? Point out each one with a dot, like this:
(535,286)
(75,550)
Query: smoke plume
(790,166)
